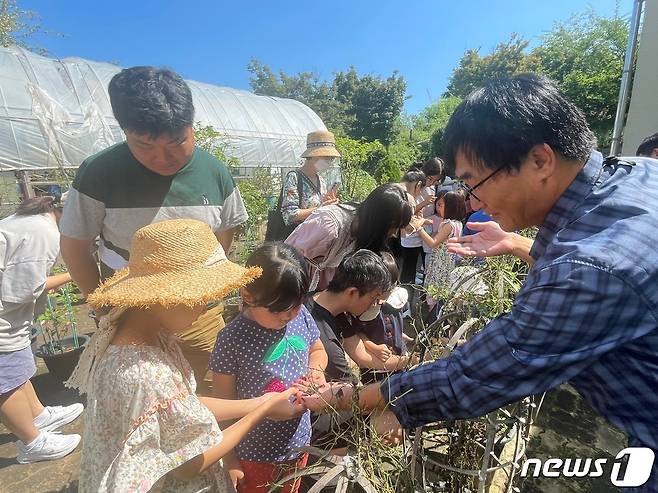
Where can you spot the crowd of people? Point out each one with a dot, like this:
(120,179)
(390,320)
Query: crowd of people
(160,214)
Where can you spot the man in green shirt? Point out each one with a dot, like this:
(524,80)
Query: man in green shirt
(156,174)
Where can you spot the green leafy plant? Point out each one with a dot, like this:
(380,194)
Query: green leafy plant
(58,320)
(216,143)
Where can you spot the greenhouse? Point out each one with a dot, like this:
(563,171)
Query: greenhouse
(55,113)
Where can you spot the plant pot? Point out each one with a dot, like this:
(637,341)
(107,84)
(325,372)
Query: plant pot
(61,365)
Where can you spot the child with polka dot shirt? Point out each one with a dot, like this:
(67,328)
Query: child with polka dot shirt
(270,345)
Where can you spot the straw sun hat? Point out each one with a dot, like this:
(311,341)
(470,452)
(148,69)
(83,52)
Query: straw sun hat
(177,262)
(321,143)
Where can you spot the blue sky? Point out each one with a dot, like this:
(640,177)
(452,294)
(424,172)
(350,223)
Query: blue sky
(213,41)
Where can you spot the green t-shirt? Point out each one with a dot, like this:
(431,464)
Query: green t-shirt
(113,196)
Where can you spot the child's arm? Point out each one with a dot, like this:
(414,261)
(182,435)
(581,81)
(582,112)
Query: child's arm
(223,387)
(317,362)
(441,235)
(380,351)
(356,350)
(227,409)
(232,436)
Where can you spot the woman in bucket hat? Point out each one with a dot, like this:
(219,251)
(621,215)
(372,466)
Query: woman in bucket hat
(145,426)
(319,156)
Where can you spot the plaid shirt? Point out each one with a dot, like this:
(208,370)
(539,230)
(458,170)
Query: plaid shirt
(587,314)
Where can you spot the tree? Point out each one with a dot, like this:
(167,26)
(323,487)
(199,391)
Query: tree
(18,26)
(361,107)
(585,56)
(475,70)
(433,117)
(373,103)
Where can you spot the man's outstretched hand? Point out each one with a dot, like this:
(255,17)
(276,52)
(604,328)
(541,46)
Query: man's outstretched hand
(490,241)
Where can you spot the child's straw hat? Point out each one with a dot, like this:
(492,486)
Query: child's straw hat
(177,262)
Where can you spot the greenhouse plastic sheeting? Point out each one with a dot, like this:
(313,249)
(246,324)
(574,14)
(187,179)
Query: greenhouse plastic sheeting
(55,113)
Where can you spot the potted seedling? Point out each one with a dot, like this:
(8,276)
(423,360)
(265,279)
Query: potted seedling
(63,344)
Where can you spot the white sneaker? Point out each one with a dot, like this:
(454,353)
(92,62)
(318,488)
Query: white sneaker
(47,446)
(56,416)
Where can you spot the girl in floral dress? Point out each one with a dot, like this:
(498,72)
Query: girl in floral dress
(145,428)
(451,207)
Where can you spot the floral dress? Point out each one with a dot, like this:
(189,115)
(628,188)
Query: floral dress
(144,420)
(311,195)
(441,262)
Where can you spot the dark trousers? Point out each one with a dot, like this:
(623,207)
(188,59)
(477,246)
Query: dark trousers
(409,264)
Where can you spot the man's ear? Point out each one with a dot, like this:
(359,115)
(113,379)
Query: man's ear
(543,160)
(352,292)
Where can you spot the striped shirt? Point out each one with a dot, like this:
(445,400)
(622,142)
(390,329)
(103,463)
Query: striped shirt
(113,196)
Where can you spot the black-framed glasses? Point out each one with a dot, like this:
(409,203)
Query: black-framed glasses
(470,191)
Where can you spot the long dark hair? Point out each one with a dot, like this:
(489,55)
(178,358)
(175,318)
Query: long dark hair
(37,205)
(454,205)
(285,280)
(384,209)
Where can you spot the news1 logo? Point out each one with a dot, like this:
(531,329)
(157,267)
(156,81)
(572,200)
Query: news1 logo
(631,467)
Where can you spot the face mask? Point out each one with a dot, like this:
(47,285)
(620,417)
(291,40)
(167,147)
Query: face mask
(371,313)
(323,164)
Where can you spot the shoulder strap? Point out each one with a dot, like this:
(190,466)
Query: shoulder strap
(283,189)
(300,185)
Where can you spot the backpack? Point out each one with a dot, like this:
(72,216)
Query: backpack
(277,229)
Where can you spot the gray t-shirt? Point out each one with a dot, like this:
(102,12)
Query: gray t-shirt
(29,246)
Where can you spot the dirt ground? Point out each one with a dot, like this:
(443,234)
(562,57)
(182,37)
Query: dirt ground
(567,427)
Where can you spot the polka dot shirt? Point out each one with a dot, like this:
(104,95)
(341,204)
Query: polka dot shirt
(265,360)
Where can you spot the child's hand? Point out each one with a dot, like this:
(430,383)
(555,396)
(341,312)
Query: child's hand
(234,469)
(315,376)
(279,407)
(381,352)
(321,399)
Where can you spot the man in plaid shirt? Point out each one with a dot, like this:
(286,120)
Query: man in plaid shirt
(588,311)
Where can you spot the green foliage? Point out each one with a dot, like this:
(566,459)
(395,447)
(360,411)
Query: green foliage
(434,117)
(388,170)
(18,26)
(400,155)
(362,107)
(58,320)
(372,104)
(474,70)
(216,143)
(585,56)
(254,191)
(357,183)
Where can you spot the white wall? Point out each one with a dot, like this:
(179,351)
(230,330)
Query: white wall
(643,111)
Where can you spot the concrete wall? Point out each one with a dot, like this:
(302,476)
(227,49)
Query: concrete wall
(643,111)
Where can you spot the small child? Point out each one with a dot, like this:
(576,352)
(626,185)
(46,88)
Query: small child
(452,209)
(268,347)
(145,428)
(381,327)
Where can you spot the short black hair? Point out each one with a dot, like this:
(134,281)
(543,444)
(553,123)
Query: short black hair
(414,176)
(434,166)
(285,279)
(648,144)
(151,101)
(386,208)
(391,265)
(454,205)
(363,270)
(496,126)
